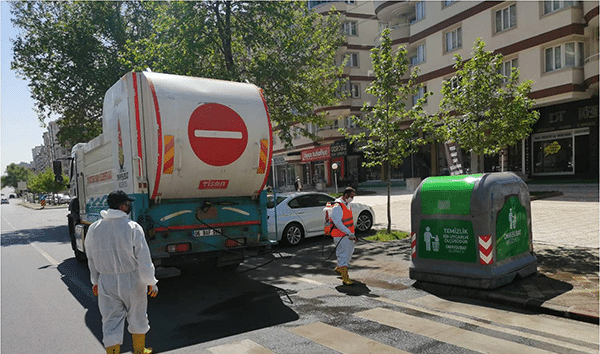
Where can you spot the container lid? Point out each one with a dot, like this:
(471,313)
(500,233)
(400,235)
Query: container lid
(450,195)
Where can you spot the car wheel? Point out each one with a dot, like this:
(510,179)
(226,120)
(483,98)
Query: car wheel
(292,234)
(364,222)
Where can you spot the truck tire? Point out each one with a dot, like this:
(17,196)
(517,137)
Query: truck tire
(293,234)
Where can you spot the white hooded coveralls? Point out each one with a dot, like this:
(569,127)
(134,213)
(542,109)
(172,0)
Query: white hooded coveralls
(344,246)
(120,263)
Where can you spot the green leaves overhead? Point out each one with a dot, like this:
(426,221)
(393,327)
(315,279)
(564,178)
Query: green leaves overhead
(72,52)
(483,110)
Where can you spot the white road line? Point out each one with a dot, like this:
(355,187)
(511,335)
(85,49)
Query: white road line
(581,331)
(82,287)
(481,312)
(342,341)
(245,346)
(448,334)
(50,259)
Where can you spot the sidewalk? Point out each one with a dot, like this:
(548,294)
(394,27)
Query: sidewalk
(565,239)
(565,285)
(38,206)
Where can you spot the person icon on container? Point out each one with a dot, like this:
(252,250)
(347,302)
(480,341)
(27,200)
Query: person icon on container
(431,241)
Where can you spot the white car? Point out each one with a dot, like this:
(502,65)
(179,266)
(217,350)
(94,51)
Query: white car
(301,215)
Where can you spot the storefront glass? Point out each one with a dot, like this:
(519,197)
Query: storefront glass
(553,156)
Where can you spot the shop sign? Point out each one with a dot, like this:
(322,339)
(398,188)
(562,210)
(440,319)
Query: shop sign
(570,115)
(512,233)
(451,240)
(316,154)
(453,158)
(339,148)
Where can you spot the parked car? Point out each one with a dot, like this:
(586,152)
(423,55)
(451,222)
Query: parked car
(5,200)
(301,215)
(64,199)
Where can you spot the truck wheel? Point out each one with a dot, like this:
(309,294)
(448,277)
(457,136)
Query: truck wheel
(364,222)
(292,234)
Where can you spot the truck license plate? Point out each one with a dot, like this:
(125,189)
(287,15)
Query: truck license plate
(206,232)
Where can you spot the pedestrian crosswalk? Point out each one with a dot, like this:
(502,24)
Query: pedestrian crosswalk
(468,327)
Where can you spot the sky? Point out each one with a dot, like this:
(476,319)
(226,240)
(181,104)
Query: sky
(19,125)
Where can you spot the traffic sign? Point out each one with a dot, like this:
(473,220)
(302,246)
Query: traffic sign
(217,134)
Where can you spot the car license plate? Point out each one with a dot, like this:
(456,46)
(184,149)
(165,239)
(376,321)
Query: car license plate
(206,232)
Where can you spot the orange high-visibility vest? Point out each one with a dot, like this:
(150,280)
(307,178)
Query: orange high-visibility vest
(347,220)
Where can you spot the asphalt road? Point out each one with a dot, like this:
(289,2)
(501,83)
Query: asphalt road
(293,305)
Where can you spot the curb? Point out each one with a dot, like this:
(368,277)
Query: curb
(530,304)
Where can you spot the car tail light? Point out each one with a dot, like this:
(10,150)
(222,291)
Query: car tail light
(179,248)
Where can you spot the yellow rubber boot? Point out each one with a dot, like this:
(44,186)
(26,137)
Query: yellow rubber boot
(139,344)
(345,277)
(115,349)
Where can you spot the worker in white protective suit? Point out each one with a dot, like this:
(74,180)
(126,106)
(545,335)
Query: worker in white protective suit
(343,233)
(121,271)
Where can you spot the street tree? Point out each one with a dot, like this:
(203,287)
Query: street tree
(45,182)
(15,174)
(69,52)
(72,52)
(391,127)
(482,109)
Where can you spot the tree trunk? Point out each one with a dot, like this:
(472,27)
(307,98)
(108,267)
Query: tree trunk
(389,196)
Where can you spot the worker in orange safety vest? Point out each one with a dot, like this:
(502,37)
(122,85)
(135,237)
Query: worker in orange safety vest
(343,233)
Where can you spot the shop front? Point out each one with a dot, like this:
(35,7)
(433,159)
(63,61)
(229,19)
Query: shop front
(565,140)
(317,161)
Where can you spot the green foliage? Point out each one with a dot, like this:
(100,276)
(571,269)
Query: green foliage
(384,235)
(487,111)
(72,52)
(14,175)
(44,182)
(390,128)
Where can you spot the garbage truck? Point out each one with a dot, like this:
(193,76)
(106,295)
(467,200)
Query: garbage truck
(194,153)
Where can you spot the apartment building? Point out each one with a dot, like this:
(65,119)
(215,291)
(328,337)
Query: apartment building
(554,43)
(43,155)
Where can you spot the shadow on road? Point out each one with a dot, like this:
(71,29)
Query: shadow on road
(192,308)
(55,234)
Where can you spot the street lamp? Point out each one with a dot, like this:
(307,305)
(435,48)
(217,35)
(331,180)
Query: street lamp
(335,167)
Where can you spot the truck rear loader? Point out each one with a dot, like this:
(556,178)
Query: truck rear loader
(194,153)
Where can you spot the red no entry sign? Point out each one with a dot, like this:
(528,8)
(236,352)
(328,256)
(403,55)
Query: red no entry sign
(217,134)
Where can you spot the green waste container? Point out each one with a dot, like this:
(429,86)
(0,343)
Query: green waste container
(472,230)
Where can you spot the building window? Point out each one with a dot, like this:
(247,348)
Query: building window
(453,39)
(355,90)
(352,60)
(420,10)
(506,18)
(507,66)
(565,55)
(555,5)
(449,2)
(420,57)
(419,95)
(455,82)
(350,28)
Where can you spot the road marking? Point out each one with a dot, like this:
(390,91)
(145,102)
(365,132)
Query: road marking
(82,287)
(50,259)
(482,312)
(445,333)
(341,340)
(584,332)
(245,346)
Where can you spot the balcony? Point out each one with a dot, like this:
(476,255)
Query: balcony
(590,71)
(389,10)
